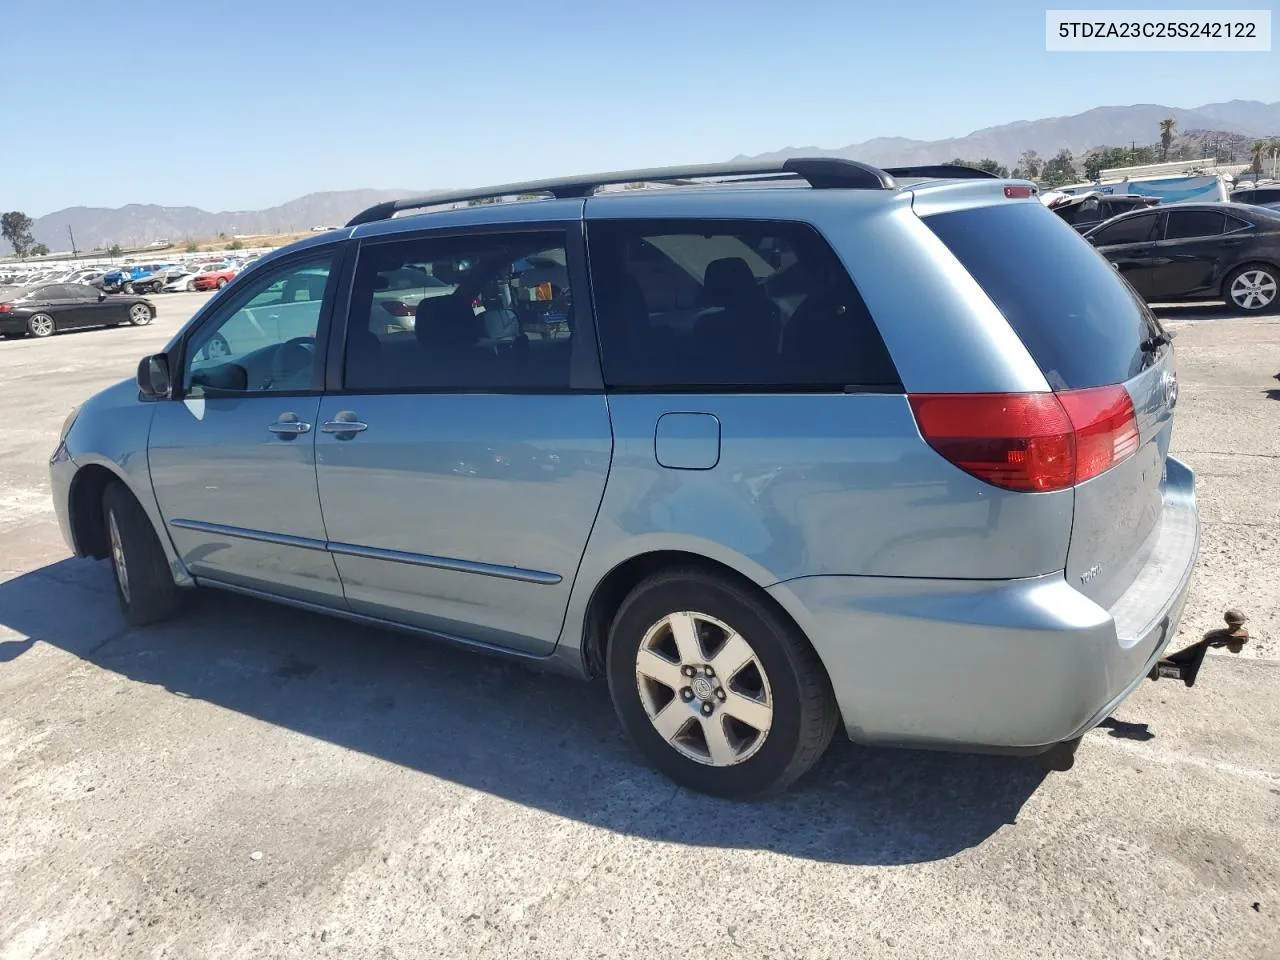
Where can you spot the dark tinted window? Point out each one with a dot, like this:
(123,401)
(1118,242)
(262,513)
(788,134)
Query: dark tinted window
(54,291)
(1187,224)
(1260,195)
(1132,230)
(482,313)
(698,304)
(1078,319)
(1235,223)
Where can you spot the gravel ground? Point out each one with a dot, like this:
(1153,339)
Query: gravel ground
(251,781)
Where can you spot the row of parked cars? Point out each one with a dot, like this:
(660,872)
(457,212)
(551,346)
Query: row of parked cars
(1186,251)
(40,305)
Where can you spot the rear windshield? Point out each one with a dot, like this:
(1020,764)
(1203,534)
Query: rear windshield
(1079,320)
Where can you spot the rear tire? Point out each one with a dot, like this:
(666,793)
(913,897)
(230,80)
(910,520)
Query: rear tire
(1252,289)
(127,288)
(144,584)
(757,710)
(41,325)
(157,287)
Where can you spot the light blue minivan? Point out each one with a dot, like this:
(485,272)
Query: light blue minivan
(775,448)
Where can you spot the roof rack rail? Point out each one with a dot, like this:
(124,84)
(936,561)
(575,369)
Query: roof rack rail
(942,171)
(821,172)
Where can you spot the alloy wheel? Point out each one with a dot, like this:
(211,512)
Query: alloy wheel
(117,555)
(41,325)
(1253,290)
(139,314)
(704,689)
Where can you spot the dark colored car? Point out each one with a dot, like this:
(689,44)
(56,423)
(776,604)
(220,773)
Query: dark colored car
(1197,251)
(43,311)
(1267,195)
(1085,211)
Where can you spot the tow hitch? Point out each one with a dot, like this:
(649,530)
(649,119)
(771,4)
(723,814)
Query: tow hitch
(1185,664)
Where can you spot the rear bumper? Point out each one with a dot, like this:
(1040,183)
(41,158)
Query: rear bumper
(995,664)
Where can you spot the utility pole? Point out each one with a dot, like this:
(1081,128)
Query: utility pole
(74,254)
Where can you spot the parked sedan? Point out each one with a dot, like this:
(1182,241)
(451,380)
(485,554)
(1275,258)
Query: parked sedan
(43,311)
(1197,251)
(214,279)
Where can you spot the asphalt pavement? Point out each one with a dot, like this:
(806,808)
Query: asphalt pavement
(252,781)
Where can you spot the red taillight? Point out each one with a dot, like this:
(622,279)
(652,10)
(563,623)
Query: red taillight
(5,308)
(397,308)
(1106,429)
(1018,192)
(1030,441)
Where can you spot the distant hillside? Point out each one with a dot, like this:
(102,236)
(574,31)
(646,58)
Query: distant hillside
(1230,127)
(1114,126)
(140,223)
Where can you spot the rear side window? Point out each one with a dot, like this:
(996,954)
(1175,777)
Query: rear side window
(474,313)
(1133,230)
(1188,224)
(686,305)
(1081,323)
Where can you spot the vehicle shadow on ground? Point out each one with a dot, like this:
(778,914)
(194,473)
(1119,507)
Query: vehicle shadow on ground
(1192,311)
(546,741)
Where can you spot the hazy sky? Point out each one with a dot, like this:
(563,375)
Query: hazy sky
(239,106)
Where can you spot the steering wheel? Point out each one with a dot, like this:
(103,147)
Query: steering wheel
(291,358)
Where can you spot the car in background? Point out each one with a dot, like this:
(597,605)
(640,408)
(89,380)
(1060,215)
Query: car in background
(143,277)
(214,277)
(46,310)
(1197,251)
(1262,195)
(1084,211)
(180,280)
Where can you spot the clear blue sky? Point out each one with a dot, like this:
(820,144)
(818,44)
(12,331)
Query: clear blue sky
(239,106)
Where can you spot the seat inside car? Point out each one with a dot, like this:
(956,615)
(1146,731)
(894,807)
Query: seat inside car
(742,319)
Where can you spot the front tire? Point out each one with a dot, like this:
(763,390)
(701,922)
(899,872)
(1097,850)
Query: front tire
(157,287)
(144,584)
(41,325)
(222,282)
(1253,288)
(140,315)
(716,687)
(127,288)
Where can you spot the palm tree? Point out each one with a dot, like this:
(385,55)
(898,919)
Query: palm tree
(1255,166)
(1166,136)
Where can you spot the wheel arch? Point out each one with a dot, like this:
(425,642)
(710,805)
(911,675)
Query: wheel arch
(612,589)
(85,514)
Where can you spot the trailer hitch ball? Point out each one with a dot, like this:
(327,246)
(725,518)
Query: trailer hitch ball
(1185,664)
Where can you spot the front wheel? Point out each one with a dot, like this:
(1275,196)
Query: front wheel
(41,325)
(716,687)
(140,315)
(127,288)
(144,584)
(222,282)
(191,286)
(1252,289)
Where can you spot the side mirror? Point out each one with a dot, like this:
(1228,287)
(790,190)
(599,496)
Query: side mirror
(153,376)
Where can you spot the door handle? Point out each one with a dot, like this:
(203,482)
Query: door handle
(289,428)
(344,425)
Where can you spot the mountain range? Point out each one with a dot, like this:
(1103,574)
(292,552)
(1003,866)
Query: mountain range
(1239,121)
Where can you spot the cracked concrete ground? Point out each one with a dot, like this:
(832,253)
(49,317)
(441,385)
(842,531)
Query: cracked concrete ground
(250,781)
